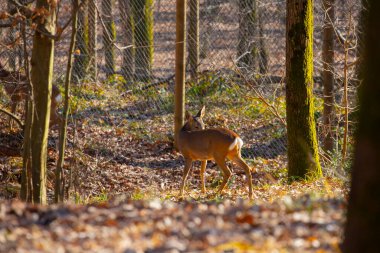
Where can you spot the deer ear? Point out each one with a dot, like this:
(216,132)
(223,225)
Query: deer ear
(201,112)
(188,116)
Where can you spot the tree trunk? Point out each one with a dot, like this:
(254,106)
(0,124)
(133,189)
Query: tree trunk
(81,58)
(143,34)
(193,38)
(180,63)
(59,176)
(247,45)
(328,75)
(263,52)
(26,191)
(109,36)
(363,220)
(92,55)
(42,76)
(11,53)
(127,68)
(303,159)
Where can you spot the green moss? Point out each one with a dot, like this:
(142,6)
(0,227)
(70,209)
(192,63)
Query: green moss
(143,35)
(302,139)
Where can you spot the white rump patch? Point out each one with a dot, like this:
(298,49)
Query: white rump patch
(238,142)
(58,99)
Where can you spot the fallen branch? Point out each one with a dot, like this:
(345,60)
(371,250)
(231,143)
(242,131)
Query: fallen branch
(260,97)
(17,119)
(151,85)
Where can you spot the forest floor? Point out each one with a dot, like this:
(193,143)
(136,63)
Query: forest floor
(125,177)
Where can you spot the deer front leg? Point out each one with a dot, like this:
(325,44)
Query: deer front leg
(188,165)
(203,170)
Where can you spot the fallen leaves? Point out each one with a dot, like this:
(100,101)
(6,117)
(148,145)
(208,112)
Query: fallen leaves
(157,226)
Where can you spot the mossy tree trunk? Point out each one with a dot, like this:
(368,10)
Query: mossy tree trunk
(303,159)
(42,77)
(247,50)
(363,220)
(328,75)
(109,36)
(127,68)
(143,35)
(81,58)
(193,38)
(92,34)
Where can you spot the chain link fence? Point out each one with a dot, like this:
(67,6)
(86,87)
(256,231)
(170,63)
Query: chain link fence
(124,64)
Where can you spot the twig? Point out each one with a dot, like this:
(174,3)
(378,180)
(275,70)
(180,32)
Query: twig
(17,119)
(261,98)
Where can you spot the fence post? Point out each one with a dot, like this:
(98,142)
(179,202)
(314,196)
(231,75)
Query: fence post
(179,69)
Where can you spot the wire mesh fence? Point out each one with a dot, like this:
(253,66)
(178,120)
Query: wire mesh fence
(124,64)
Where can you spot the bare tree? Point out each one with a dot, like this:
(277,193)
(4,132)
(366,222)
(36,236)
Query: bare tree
(247,45)
(109,36)
(81,57)
(328,74)
(127,69)
(143,35)
(303,159)
(42,77)
(363,219)
(180,63)
(92,34)
(193,38)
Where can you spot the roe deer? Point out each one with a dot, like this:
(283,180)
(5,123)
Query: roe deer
(16,87)
(197,143)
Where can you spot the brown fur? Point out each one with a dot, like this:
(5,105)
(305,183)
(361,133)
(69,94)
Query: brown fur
(197,143)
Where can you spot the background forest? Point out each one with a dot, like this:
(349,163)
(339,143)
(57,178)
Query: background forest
(94,94)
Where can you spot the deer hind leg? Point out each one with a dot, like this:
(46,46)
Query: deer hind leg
(203,170)
(221,162)
(242,164)
(188,165)
(55,118)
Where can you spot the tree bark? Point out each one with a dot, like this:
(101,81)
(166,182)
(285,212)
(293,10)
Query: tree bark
(328,75)
(143,35)
(247,45)
(363,220)
(180,64)
(59,177)
(92,34)
(81,57)
(42,76)
(127,68)
(26,191)
(11,36)
(193,38)
(109,36)
(303,158)
(263,52)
